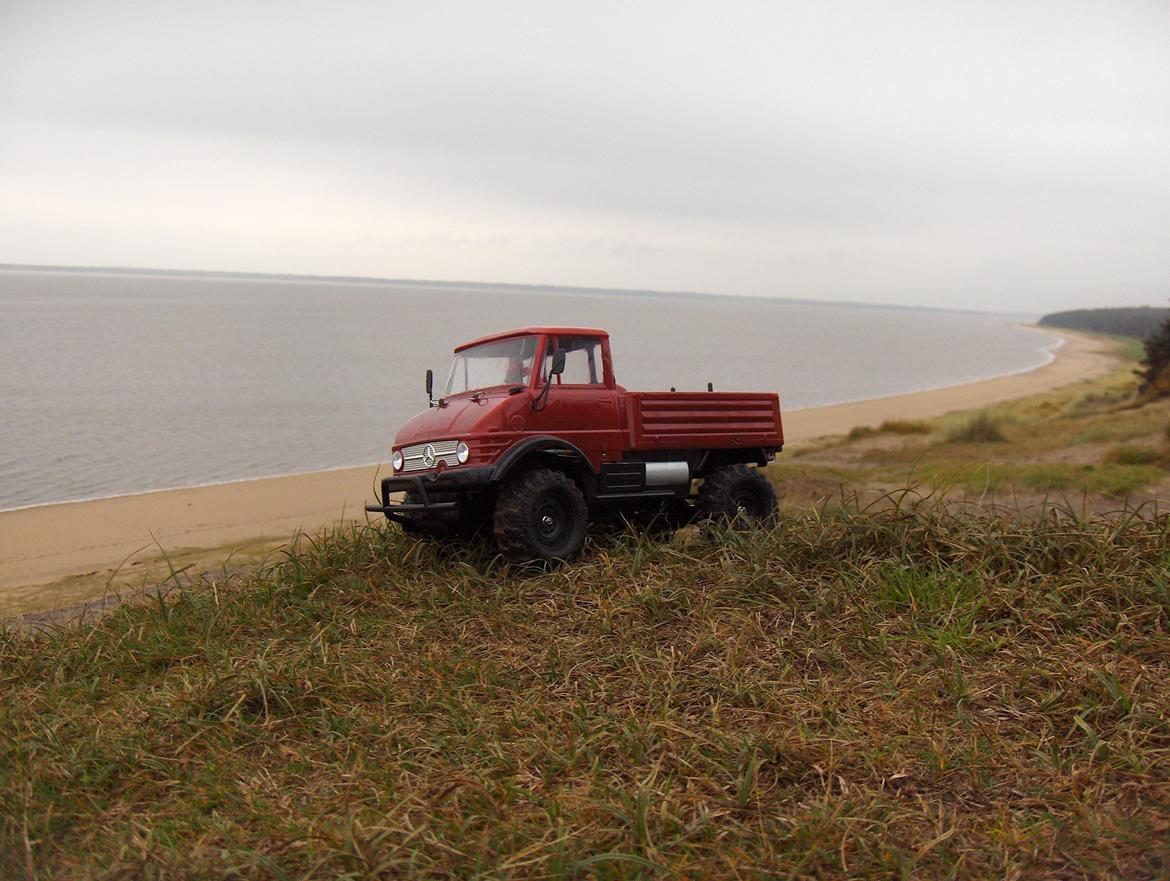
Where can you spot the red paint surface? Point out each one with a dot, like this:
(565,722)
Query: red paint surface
(603,420)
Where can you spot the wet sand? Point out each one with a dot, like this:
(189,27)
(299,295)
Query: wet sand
(53,555)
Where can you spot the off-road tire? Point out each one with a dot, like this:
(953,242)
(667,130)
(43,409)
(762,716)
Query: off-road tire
(738,494)
(420,525)
(540,515)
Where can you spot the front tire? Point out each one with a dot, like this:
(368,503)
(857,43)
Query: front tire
(466,523)
(415,524)
(540,515)
(738,494)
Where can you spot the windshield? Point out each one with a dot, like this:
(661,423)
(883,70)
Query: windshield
(507,362)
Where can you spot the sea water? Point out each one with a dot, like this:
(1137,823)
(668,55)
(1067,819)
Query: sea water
(119,383)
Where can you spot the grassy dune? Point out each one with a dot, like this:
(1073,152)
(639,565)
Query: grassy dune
(969,682)
(903,691)
(1093,443)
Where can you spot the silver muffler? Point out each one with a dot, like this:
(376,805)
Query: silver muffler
(667,474)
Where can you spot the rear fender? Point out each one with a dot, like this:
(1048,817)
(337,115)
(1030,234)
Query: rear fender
(712,459)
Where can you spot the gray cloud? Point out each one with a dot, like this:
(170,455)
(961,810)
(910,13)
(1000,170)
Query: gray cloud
(1000,155)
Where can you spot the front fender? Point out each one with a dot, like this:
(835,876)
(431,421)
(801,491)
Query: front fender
(539,444)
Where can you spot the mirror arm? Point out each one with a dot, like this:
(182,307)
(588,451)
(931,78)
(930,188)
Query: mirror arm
(555,369)
(540,400)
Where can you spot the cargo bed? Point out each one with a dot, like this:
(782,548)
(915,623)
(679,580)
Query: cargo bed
(681,420)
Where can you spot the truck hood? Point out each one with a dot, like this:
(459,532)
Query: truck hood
(462,417)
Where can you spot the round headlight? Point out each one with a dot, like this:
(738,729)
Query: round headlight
(462,452)
(396,460)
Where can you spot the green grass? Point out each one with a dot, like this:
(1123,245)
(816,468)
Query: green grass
(1119,426)
(1110,479)
(1131,348)
(900,691)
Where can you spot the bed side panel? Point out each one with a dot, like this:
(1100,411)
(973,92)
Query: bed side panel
(704,420)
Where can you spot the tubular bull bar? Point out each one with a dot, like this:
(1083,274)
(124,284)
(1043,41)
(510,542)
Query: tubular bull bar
(453,480)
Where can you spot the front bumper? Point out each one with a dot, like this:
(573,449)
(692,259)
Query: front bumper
(453,480)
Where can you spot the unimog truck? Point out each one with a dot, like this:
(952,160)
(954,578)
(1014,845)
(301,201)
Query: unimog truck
(532,438)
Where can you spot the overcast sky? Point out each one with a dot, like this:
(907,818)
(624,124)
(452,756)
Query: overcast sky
(986,155)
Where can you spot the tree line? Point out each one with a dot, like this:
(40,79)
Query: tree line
(1147,323)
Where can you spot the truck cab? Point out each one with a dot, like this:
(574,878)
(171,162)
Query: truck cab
(540,408)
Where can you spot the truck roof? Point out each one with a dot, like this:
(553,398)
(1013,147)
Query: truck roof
(527,331)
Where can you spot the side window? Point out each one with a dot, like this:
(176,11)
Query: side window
(582,361)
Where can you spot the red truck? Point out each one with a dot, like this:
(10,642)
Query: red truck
(533,437)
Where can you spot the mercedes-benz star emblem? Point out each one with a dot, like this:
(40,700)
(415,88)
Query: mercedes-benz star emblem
(429,456)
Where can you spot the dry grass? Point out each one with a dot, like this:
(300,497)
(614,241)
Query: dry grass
(890,426)
(1095,442)
(903,691)
(1134,455)
(905,426)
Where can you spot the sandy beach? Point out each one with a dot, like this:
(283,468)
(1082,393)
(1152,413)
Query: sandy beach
(55,555)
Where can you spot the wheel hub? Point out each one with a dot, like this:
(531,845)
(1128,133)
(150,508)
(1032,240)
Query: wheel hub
(550,520)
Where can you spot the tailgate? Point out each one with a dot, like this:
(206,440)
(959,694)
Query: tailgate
(702,420)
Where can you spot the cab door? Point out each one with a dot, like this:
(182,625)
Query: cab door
(582,405)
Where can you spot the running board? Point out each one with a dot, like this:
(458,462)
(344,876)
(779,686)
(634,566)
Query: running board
(643,494)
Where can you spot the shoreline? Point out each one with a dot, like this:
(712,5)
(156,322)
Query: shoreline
(56,553)
(1049,351)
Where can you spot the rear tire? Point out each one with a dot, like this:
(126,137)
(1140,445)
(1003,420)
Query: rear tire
(738,494)
(540,515)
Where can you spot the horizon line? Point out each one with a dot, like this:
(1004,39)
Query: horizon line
(524,286)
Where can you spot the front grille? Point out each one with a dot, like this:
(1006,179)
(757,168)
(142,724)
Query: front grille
(444,452)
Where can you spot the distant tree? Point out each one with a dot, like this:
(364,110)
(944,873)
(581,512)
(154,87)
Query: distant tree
(1135,321)
(1156,365)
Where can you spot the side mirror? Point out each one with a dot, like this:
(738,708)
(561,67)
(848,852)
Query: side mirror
(558,363)
(430,385)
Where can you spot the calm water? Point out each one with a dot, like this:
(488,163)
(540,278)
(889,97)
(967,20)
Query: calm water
(122,383)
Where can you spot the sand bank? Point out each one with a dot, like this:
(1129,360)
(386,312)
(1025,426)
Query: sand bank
(55,555)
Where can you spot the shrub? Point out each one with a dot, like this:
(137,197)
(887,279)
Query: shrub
(1155,375)
(861,431)
(982,428)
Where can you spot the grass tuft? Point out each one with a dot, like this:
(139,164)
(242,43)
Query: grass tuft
(905,426)
(890,426)
(1133,455)
(981,428)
